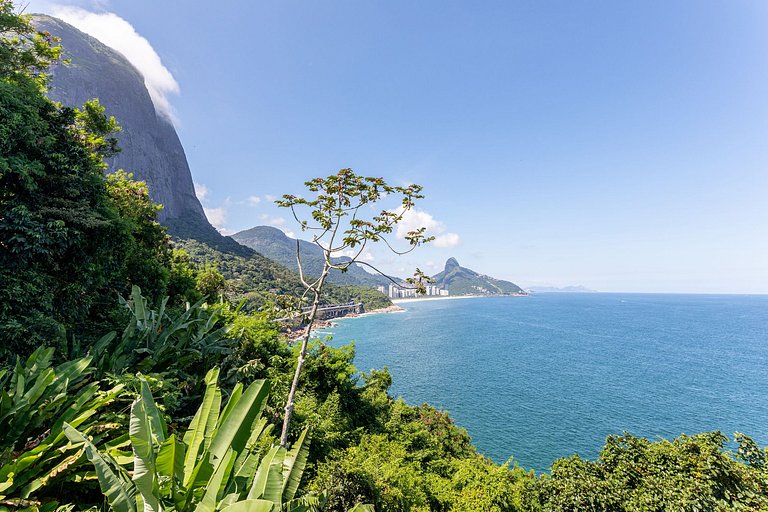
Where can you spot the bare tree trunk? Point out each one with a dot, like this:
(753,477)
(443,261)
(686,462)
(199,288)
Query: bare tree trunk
(300,363)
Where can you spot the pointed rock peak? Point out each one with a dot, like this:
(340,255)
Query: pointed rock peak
(451,264)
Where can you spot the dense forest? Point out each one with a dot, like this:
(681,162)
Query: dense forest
(143,373)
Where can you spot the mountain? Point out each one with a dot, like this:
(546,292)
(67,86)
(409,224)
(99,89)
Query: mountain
(276,245)
(151,149)
(463,281)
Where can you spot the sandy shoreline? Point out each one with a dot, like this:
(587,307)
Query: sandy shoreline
(449,297)
(321,325)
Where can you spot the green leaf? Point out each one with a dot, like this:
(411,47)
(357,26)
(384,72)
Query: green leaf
(295,462)
(170,459)
(268,481)
(251,506)
(116,489)
(156,421)
(217,483)
(140,432)
(248,461)
(234,397)
(195,434)
(236,429)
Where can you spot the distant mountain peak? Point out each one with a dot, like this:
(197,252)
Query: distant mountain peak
(277,246)
(463,281)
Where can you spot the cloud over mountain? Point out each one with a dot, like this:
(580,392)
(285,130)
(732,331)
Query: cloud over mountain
(119,34)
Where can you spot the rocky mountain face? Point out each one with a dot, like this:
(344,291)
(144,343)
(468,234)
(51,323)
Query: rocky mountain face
(151,149)
(276,245)
(463,281)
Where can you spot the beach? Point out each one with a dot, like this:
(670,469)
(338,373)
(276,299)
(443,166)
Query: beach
(448,297)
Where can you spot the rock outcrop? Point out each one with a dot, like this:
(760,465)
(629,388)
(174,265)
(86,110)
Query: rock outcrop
(151,149)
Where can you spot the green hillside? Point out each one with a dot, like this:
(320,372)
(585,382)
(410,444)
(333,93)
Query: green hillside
(254,278)
(463,281)
(276,245)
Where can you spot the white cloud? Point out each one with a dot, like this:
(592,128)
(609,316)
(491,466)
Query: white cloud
(272,221)
(289,234)
(201,191)
(270,198)
(446,240)
(351,253)
(415,219)
(217,216)
(253,200)
(119,34)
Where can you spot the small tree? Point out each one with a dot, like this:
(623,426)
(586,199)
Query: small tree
(339,219)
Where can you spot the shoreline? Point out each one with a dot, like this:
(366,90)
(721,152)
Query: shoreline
(331,323)
(394,308)
(451,297)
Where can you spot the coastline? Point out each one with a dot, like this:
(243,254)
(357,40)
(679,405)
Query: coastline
(320,325)
(450,297)
(396,307)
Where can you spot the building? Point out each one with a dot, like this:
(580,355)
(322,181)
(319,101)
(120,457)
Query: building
(406,292)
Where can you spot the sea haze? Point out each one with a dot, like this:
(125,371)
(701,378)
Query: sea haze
(550,375)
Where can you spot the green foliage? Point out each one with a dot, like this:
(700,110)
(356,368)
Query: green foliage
(252,278)
(61,239)
(256,280)
(25,54)
(418,460)
(155,341)
(218,464)
(147,257)
(370,297)
(70,241)
(182,281)
(35,393)
(175,345)
(378,470)
(478,484)
(689,473)
(36,399)
(210,283)
(260,351)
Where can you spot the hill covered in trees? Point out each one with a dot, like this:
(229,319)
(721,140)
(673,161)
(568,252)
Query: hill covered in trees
(463,281)
(277,246)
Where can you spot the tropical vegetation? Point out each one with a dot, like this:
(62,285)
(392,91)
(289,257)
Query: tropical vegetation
(132,376)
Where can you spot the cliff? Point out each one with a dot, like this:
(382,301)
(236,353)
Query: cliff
(151,149)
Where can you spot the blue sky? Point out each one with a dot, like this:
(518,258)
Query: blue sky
(617,146)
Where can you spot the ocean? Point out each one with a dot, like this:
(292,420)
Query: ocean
(550,375)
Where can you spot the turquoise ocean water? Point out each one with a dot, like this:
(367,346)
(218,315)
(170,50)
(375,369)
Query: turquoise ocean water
(550,375)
